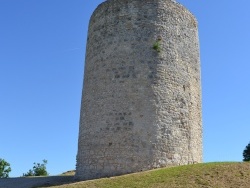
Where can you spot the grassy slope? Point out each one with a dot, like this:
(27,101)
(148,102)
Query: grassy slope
(209,175)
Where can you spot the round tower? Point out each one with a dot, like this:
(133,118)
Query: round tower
(141,101)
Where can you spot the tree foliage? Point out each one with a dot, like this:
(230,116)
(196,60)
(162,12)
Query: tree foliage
(39,169)
(4,168)
(246,153)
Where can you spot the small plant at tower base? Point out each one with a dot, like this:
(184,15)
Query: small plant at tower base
(39,169)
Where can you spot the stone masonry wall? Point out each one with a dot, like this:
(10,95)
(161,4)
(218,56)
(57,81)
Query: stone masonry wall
(141,101)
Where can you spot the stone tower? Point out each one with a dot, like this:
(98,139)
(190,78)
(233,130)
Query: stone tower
(141,101)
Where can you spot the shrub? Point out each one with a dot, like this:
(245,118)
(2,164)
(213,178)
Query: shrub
(246,153)
(39,169)
(4,168)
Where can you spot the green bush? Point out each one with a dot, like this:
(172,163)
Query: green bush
(246,153)
(4,168)
(39,169)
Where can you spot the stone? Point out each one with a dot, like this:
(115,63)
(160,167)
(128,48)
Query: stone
(141,100)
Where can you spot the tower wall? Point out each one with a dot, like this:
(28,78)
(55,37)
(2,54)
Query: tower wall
(141,101)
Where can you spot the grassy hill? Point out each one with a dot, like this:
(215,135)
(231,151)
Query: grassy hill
(208,175)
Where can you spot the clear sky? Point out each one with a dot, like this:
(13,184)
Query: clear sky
(42,50)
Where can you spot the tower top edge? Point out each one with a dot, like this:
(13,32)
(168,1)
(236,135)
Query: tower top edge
(107,3)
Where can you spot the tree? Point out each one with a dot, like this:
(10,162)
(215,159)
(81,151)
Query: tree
(39,169)
(246,153)
(4,168)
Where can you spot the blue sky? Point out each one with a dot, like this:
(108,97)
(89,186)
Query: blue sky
(42,50)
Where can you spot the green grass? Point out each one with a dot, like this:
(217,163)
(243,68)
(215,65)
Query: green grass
(208,175)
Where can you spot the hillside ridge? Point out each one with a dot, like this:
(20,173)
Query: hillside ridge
(205,175)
